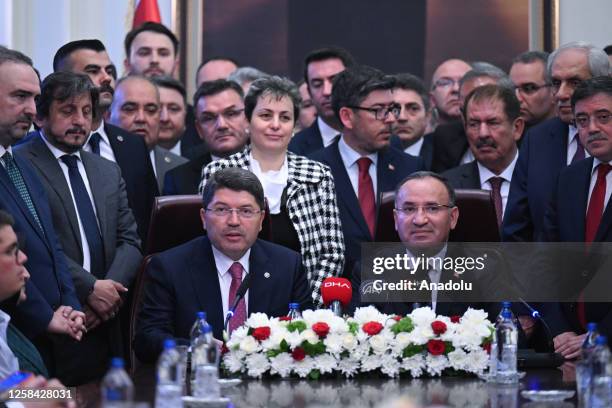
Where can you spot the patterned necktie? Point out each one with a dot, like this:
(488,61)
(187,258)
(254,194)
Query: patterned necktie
(366,194)
(94,143)
(17,180)
(496,183)
(240,313)
(579,155)
(87,216)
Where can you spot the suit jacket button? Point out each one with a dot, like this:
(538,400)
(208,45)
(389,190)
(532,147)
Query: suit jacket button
(585,273)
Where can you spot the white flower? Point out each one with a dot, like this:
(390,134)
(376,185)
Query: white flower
(369,363)
(282,364)
(310,336)
(273,342)
(294,339)
(249,345)
(232,362)
(369,314)
(458,359)
(333,343)
(349,342)
(378,344)
(421,334)
(348,366)
(477,361)
(435,364)
(320,315)
(390,366)
(257,365)
(304,367)
(325,363)
(423,316)
(258,320)
(414,364)
(237,336)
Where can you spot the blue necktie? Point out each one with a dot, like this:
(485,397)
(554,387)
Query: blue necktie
(94,143)
(17,180)
(86,215)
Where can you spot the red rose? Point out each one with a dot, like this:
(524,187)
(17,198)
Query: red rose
(224,348)
(372,328)
(436,347)
(261,333)
(487,347)
(284,319)
(397,318)
(321,328)
(455,319)
(438,327)
(298,354)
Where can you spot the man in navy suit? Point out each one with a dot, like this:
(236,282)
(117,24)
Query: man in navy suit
(111,142)
(361,161)
(51,305)
(580,211)
(320,68)
(205,273)
(552,145)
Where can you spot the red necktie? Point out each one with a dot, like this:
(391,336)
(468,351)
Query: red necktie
(366,194)
(496,183)
(240,314)
(593,219)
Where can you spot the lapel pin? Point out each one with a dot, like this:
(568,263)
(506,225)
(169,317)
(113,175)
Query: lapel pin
(391,167)
(167,159)
(266,275)
(120,138)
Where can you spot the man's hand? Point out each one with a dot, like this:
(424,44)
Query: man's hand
(61,323)
(105,299)
(92,320)
(569,344)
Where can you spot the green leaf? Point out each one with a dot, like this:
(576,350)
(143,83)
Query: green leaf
(405,325)
(314,374)
(298,325)
(412,350)
(284,347)
(353,328)
(448,347)
(313,349)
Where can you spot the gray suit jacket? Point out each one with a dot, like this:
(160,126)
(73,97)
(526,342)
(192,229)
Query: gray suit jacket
(165,160)
(464,176)
(117,225)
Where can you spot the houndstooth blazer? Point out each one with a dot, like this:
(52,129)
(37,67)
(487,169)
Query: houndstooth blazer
(312,207)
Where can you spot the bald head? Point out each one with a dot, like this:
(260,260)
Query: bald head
(445,89)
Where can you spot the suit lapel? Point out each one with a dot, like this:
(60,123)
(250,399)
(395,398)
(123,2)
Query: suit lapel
(471,176)
(580,188)
(205,281)
(385,172)
(259,289)
(559,150)
(116,140)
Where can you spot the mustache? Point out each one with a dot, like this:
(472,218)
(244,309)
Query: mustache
(26,117)
(106,88)
(485,143)
(78,130)
(596,136)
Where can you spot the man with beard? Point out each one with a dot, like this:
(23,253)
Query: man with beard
(111,142)
(493,126)
(222,126)
(90,212)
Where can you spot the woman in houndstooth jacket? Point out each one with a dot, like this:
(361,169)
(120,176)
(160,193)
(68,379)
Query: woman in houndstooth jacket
(300,192)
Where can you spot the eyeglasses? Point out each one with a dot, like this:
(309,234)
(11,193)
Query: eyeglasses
(13,251)
(429,209)
(601,118)
(224,212)
(530,89)
(208,119)
(383,112)
(445,82)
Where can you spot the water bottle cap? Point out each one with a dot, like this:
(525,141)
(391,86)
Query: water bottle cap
(506,314)
(169,344)
(506,304)
(117,362)
(201,315)
(601,340)
(206,328)
(591,326)
(294,305)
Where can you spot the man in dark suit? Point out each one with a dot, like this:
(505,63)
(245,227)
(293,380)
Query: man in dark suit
(493,126)
(91,215)
(222,126)
(205,273)
(413,98)
(361,161)
(320,68)
(580,211)
(51,305)
(552,145)
(111,142)
(450,143)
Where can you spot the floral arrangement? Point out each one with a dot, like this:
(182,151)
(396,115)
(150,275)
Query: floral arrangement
(419,344)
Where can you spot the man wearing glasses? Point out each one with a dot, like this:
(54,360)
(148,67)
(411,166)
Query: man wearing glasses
(221,124)
(533,90)
(552,145)
(362,162)
(445,90)
(204,274)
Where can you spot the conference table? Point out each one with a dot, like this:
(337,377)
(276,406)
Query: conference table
(373,392)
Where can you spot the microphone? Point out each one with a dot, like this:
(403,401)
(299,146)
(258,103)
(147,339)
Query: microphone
(242,289)
(336,292)
(537,316)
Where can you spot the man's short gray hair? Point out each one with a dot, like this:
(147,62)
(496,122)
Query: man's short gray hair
(599,65)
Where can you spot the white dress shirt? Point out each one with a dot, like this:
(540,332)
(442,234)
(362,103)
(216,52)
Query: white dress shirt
(106,150)
(272,181)
(223,264)
(597,162)
(572,144)
(415,148)
(176,149)
(434,273)
(328,133)
(8,362)
(4,150)
(58,154)
(152,158)
(467,157)
(349,158)
(485,174)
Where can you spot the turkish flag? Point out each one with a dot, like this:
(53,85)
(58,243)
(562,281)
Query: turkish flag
(146,10)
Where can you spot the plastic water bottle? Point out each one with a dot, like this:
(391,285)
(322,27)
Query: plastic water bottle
(589,342)
(601,383)
(506,306)
(200,321)
(117,387)
(204,365)
(294,311)
(492,375)
(507,340)
(169,387)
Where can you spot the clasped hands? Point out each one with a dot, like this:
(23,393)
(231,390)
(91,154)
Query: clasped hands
(104,302)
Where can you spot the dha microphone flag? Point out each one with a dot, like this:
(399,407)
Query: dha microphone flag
(336,289)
